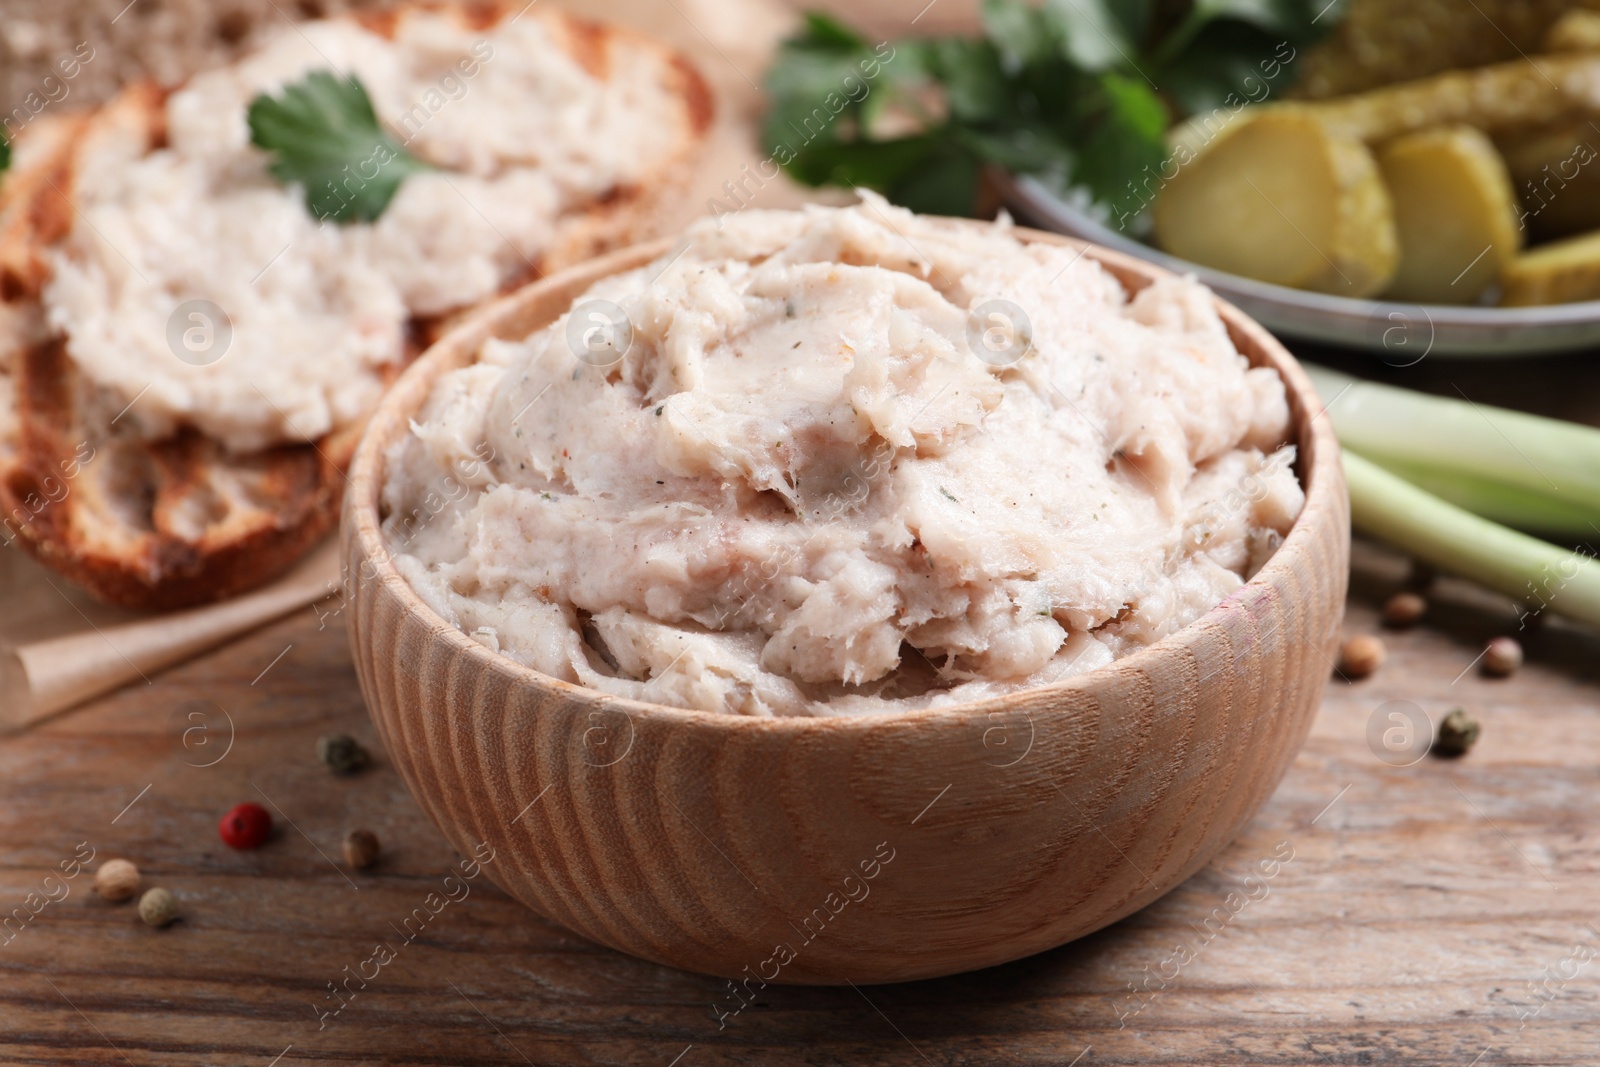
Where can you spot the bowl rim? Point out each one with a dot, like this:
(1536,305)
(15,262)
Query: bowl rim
(1031,197)
(1318,460)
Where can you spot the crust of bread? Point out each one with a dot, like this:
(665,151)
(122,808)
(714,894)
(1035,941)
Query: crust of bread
(177,522)
(34,209)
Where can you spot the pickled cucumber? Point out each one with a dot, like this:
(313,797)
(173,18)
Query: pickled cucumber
(1454,214)
(1278,196)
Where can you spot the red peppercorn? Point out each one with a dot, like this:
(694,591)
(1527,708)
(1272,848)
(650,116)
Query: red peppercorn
(246,826)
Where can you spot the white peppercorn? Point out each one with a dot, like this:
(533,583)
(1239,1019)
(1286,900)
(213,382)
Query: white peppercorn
(1501,657)
(1360,655)
(116,880)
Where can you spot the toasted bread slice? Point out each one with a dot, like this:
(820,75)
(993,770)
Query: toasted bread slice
(182,520)
(152,525)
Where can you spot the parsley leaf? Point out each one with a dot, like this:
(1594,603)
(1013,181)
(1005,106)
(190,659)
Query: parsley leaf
(1092,37)
(1227,59)
(5,154)
(972,75)
(1018,31)
(1126,141)
(1077,92)
(945,183)
(324,136)
(828,89)
(826,31)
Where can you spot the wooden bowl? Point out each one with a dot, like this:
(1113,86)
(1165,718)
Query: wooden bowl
(874,848)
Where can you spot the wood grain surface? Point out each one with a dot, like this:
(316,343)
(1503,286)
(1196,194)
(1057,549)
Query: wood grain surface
(1428,915)
(1421,908)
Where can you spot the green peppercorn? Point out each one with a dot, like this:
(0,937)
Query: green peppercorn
(1458,732)
(342,753)
(158,907)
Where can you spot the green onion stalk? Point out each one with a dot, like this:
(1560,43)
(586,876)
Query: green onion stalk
(1445,480)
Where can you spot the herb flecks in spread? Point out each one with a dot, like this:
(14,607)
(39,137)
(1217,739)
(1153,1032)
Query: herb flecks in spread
(324,135)
(845,460)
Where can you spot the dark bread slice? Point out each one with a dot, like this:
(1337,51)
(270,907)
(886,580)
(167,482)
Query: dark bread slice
(180,521)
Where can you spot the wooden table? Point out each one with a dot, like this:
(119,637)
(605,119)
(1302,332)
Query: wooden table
(1441,913)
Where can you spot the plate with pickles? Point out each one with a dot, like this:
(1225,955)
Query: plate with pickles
(1421,177)
(1456,213)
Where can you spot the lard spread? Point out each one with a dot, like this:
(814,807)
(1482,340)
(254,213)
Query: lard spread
(845,460)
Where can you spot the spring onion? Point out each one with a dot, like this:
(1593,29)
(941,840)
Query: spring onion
(1506,504)
(1545,576)
(1521,470)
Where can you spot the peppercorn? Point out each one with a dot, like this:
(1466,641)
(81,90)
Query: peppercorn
(1404,609)
(1501,657)
(158,907)
(245,826)
(1457,733)
(361,849)
(1360,655)
(342,753)
(116,880)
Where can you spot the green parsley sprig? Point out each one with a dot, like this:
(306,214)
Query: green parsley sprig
(324,135)
(1079,92)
